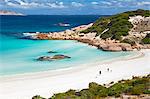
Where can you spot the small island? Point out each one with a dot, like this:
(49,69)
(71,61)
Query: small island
(5,12)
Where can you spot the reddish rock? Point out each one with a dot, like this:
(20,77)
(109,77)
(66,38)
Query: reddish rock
(111,48)
(126,47)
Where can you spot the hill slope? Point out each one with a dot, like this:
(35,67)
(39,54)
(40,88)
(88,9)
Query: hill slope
(118,26)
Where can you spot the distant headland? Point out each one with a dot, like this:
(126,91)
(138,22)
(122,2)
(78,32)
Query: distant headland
(6,12)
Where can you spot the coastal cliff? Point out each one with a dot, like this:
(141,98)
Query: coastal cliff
(121,32)
(5,12)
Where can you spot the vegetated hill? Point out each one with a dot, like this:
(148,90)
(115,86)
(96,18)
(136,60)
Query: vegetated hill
(136,86)
(116,26)
(5,12)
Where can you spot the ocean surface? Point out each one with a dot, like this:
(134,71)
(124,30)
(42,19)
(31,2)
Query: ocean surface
(19,56)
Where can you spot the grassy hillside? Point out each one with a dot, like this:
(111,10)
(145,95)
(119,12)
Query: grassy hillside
(117,25)
(136,86)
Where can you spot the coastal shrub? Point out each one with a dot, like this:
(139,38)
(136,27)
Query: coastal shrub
(129,41)
(99,26)
(71,94)
(141,12)
(118,25)
(137,90)
(136,86)
(146,91)
(106,35)
(86,94)
(98,90)
(117,89)
(38,97)
(146,40)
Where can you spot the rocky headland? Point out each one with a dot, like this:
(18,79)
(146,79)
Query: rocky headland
(5,12)
(122,32)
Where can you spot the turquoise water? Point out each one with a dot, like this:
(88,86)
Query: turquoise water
(19,56)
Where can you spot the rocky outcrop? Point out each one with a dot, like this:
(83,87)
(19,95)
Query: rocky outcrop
(140,24)
(89,38)
(82,27)
(42,36)
(44,58)
(106,45)
(116,47)
(125,47)
(111,48)
(50,58)
(146,46)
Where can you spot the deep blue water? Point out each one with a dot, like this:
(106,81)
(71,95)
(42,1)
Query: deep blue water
(12,25)
(19,55)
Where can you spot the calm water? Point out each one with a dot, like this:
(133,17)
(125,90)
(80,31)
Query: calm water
(19,55)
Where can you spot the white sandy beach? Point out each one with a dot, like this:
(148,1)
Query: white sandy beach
(49,82)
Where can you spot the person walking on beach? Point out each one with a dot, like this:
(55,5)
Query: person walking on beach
(107,69)
(100,72)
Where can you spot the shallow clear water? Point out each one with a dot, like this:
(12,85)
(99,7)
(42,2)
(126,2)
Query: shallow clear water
(19,55)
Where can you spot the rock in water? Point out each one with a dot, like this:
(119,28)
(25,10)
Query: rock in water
(52,52)
(60,57)
(44,58)
(50,58)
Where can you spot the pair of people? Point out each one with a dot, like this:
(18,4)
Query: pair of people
(100,72)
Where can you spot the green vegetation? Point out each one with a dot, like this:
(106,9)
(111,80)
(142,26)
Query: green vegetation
(136,86)
(38,97)
(146,40)
(129,41)
(118,25)
(141,12)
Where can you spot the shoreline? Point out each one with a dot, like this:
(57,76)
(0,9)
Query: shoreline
(90,38)
(46,83)
(137,54)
